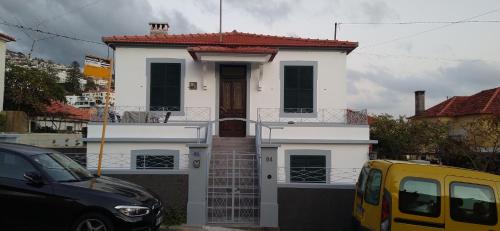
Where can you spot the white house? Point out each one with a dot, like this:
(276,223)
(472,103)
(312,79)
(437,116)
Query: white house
(236,93)
(3,48)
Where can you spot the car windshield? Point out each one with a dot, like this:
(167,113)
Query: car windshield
(62,168)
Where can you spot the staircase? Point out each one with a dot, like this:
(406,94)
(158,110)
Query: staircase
(233,184)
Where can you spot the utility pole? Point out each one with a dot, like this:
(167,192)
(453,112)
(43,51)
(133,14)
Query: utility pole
(220,21)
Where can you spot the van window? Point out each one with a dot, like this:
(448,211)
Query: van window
(420,196)
(360,185)
(473,203)
(372,194)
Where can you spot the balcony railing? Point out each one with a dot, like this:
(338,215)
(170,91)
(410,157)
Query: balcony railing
(319,175)
(142,114)
(321,115)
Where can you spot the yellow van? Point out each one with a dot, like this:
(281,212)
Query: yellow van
(397,195)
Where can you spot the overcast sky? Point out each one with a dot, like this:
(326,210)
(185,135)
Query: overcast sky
(391,62)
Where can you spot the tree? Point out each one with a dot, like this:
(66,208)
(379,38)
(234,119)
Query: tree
(72,84)
(398,137)
(482,139)
(30,90)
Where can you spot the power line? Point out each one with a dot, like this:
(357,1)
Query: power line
(418,22)
(422,57)
(21,27)
(429,30)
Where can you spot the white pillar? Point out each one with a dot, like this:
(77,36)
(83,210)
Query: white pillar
(198,180)
(269,186)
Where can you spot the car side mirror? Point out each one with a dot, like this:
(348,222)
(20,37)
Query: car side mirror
(34,178)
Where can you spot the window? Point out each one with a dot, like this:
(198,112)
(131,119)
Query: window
(165,87)
(473,203)
(61,168)
(298,89)
(154,162)
(308,169)
(14,166)
(360,185)
(420,197)
(155,159)
(373,185)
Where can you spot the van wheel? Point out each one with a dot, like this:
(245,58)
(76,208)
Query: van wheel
(93,222)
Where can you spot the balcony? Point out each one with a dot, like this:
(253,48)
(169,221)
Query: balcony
(308,115)
(142,114)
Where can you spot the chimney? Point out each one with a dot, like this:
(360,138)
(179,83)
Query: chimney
(419,102)
(156,28)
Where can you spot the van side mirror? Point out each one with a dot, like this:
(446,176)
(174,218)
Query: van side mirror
(34,178)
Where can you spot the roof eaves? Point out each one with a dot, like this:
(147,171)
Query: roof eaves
(7,38)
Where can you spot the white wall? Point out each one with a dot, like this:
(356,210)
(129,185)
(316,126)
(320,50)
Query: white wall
(346,159)
(145,131)
(130,68)
(2,72)
(118,155)
(318,133)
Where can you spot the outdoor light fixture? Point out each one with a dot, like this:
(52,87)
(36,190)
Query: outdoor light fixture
(132,211)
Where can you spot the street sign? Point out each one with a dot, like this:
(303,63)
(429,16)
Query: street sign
(96,67)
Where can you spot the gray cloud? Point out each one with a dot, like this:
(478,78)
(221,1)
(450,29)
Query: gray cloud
(266,10)
(375,11)
(381,91)
(90,23)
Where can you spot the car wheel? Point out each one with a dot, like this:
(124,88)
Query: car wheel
(93,222)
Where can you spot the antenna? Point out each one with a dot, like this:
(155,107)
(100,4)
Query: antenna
(220,21)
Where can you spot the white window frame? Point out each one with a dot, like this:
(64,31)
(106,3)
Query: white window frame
(305,152)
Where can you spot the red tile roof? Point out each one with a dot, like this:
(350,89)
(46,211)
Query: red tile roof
(234,50)
(57,108)
(232,39)
(6,38)
(484,102)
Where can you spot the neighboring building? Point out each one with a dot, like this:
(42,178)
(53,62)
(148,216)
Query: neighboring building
(252,93)
(90,99)
(459,110)
(62,118)
(99,97)
(3,48)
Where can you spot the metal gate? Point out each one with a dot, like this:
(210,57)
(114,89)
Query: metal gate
(233,188)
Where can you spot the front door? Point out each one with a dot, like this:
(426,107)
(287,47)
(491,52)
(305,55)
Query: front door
(232,100)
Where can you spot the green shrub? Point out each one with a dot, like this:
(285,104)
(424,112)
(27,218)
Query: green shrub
(3,122)
(174,216)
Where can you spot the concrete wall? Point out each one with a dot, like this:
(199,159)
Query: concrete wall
(131,79)
(315,209)
(118,154)
(158,130)
(172,189)
(344,158)
(51,140)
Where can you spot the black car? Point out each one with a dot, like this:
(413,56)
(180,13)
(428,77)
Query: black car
(41,189)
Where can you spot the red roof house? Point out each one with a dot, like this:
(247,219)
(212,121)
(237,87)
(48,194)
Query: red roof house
(484,102)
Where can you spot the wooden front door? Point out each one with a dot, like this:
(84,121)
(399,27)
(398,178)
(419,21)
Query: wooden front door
(232,100)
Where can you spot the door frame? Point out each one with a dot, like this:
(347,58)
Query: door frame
(248,76)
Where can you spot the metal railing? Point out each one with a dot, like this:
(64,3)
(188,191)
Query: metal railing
(143,114)
(318,175)
(124,161)
(321,115)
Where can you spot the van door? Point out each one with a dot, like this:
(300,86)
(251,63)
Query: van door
(358,211)
(418,204)
(471,205)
